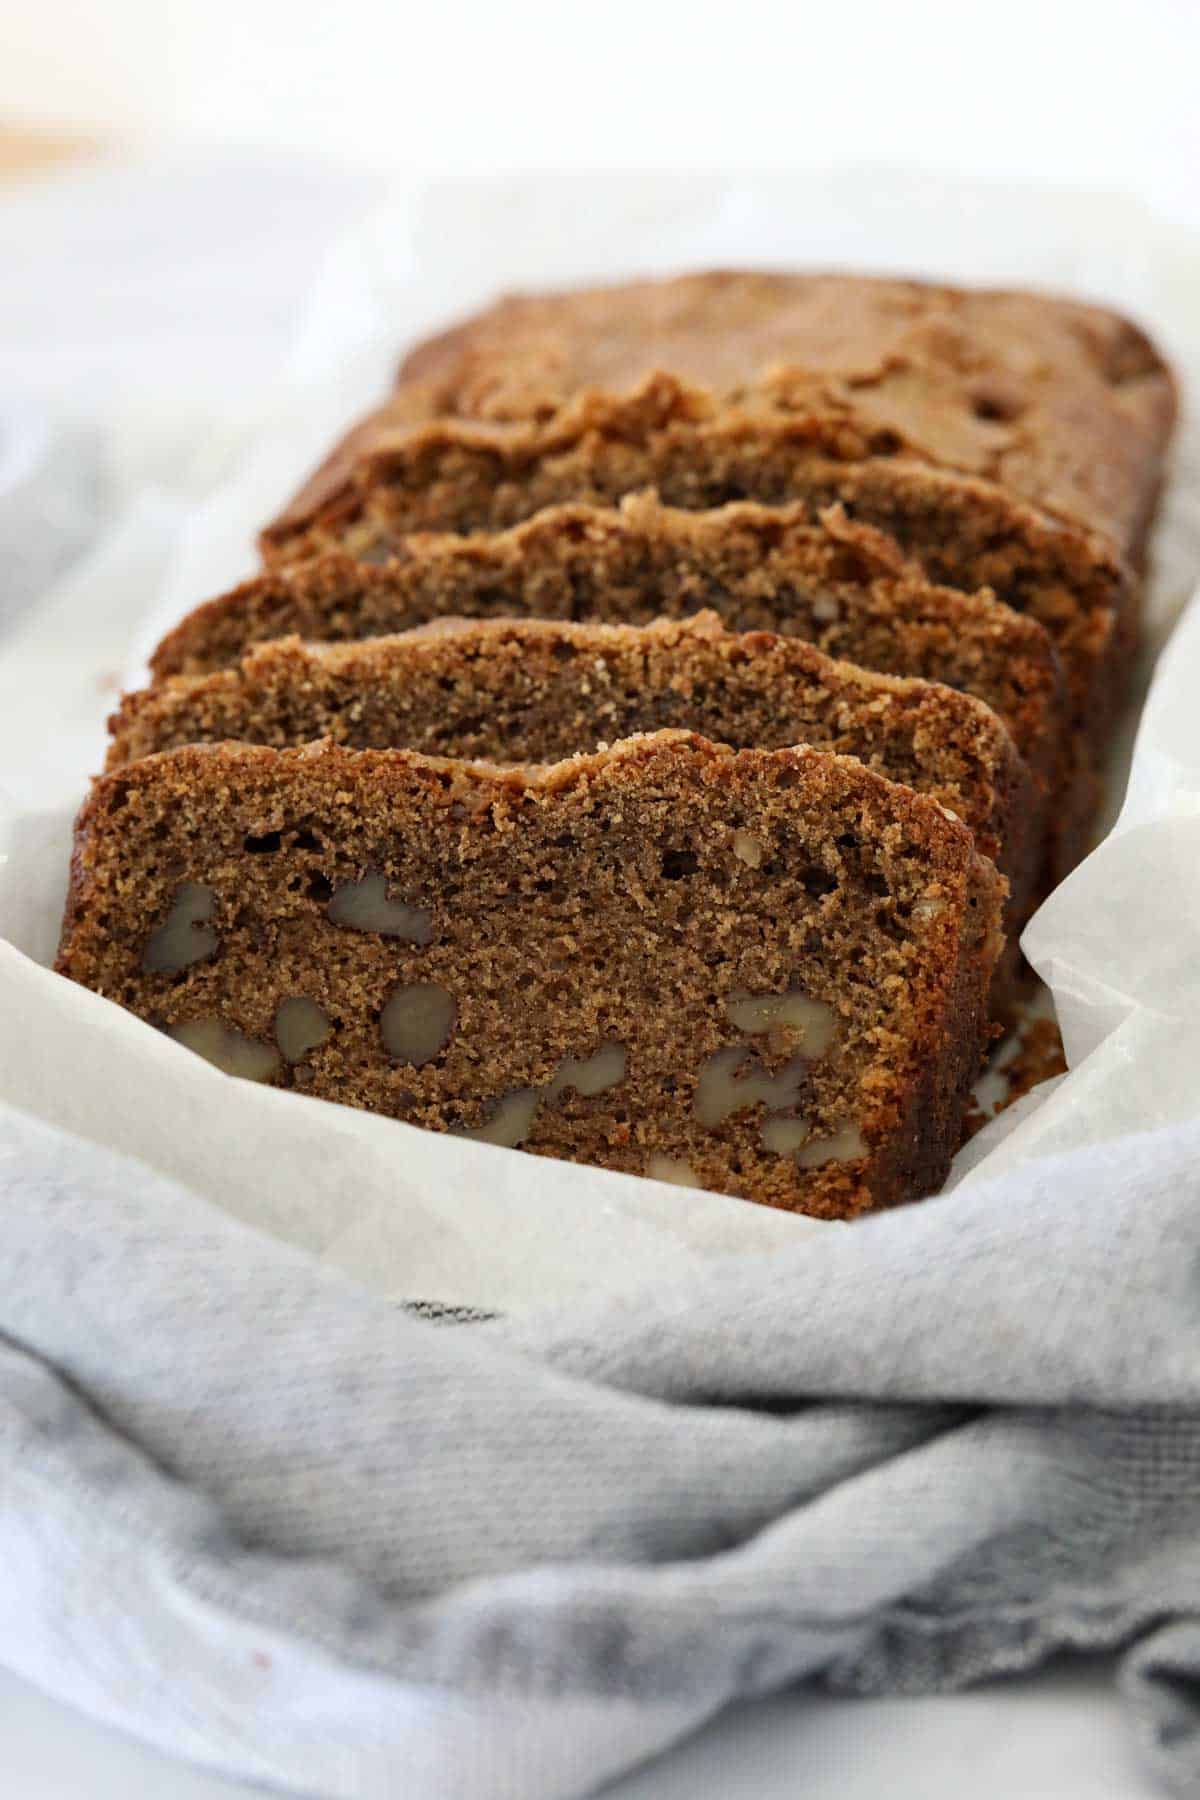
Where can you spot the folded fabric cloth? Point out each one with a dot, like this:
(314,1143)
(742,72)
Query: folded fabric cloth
(277,1524)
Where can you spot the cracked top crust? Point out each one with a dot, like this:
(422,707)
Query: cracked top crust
(1067,404)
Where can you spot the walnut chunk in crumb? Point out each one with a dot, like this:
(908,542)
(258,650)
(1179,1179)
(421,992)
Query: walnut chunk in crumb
(783,1136)
(810,1023)
(366,906)
(673,1170)
(726,1085)
(846,1144)
(226,1048)
(512,1117)
(592,1075)
(417,1022)
(925,911)
(300,1026)
(511,1120)
(183,938)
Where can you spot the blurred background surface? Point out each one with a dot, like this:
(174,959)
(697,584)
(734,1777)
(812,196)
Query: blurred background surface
(174,173)
(1097,92)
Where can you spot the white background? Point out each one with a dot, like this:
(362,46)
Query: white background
(1081,90)
(1101,95)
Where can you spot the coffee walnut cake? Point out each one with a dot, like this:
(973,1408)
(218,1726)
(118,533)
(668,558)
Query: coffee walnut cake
(650,729)
(764,972)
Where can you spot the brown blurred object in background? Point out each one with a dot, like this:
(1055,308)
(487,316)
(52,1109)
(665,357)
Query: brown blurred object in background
(24,152)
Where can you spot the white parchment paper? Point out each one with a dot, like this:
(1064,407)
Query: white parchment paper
(429,1217)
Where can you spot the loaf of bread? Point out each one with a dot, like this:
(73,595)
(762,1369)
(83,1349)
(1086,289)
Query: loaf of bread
(651,729)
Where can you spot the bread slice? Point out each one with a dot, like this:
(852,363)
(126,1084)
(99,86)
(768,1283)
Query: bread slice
(1065,404)
(386,482)
(580,959)
(537,690)
(841,586)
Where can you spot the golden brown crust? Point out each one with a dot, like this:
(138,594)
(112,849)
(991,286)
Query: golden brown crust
(597,901)
(1066,404)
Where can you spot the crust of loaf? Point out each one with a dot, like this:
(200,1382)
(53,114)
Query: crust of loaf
(1065,404)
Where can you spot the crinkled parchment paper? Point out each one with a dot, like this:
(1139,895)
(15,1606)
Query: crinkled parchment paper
(430,1217)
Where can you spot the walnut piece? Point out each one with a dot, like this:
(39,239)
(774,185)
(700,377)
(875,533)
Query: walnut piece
(747,849)
(513,1116)
(844,1145)
(364,906)
(783,1136)
(603,1069)
(226,1048)
(417,1022)
(182,939)
(300,1025)
(810,1022)
(721,1090)
(672,1169)
(511,1121)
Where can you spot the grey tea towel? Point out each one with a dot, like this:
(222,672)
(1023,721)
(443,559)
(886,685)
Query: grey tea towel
(279,1525)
